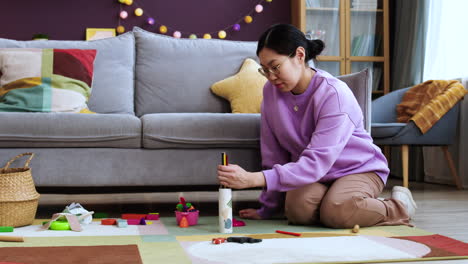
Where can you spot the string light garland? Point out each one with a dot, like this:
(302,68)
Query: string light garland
(176,33)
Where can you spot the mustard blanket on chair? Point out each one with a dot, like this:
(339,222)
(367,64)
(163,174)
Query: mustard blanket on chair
(427,102)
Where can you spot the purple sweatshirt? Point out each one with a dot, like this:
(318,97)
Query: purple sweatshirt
(323,140)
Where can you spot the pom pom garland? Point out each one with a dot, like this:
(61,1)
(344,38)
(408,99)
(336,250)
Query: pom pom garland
(120,29)
(138,12)
(123,14)
(163,29)
(222,34)
(177,34)
(258,8)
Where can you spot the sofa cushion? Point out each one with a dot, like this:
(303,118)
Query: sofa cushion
(113,69)
(386,130)
(45,80)
(360,84)
(175,75)
(244,91)
(200,130)
(69,130)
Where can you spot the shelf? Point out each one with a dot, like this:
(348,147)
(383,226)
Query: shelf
(357,35)
(336,9)
(332,9)
(367,58)
(366,10)
(330,58)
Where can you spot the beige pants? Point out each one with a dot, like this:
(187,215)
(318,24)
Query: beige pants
(348,201)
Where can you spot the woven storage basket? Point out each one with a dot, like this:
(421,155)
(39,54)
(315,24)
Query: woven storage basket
(18,195)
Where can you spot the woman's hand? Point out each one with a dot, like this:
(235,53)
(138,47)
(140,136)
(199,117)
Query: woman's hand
(249,214)
(235,177)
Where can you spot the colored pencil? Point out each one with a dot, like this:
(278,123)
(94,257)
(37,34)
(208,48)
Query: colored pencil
(11,239)
(224,161)
(288,233)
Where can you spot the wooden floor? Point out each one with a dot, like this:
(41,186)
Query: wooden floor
(441,209)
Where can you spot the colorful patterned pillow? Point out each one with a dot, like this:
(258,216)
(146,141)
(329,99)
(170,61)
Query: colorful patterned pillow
(45,80)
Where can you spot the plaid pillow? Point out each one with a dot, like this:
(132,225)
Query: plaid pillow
(45,80)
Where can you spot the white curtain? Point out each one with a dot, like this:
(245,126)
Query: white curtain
(446,42)
(446,57)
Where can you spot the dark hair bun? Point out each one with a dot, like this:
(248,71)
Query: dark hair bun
(314,48)
(284,39)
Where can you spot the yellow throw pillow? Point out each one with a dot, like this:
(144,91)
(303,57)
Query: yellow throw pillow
(244,90)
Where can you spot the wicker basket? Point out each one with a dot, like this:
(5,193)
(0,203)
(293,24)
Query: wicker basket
(18,195)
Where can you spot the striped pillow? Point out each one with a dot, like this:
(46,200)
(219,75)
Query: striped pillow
(45,80)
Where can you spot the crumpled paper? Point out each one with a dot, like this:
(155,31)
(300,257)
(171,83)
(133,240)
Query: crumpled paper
(75,214)
(84,216)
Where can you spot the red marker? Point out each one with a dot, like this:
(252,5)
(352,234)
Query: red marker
(288,233)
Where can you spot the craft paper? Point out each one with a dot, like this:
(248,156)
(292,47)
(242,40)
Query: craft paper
(322,249)
(225,210)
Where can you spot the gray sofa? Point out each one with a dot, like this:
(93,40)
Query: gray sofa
(157,122)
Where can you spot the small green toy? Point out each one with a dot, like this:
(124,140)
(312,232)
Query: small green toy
(60,225)
(6,229)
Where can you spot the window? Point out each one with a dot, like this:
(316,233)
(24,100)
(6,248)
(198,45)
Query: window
(446,55)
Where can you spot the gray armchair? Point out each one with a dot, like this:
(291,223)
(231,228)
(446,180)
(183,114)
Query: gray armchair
(386,131)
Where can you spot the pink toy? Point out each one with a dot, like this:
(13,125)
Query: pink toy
(133,221)
(152,216)
(192,217)
(236,222)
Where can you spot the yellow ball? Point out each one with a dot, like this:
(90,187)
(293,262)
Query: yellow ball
(128,2)
(163,29)
(222,34)
(207,36)
(122,1)
(138,12)
(192,36)
(269,1)
(248,19)
(120,29)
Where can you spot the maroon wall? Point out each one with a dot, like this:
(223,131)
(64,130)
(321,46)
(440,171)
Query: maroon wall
(68,20)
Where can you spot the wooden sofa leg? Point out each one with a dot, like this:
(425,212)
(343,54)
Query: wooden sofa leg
(404,162)
(453,170)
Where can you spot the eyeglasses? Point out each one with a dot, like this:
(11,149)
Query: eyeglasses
(273,70)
